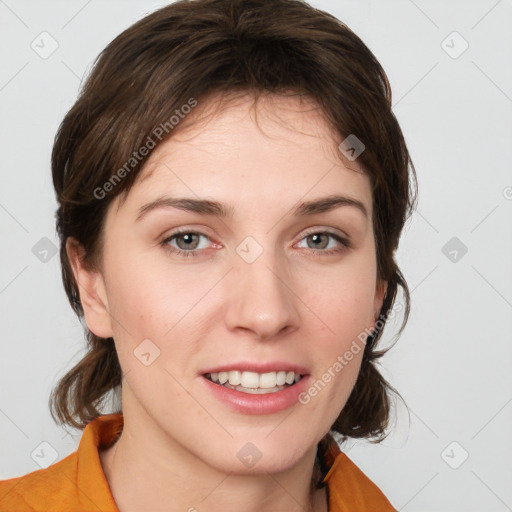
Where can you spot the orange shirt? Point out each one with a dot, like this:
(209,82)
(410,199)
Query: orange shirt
(77,482)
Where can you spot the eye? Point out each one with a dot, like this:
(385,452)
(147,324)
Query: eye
(187,243)
(319,241)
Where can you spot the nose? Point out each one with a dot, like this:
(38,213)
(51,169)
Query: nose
(262,299)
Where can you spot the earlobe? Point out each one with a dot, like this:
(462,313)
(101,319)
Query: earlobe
(92,291)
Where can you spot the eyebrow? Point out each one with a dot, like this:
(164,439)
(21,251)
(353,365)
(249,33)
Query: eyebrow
(214,208)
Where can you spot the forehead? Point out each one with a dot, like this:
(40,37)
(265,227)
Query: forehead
(276,148)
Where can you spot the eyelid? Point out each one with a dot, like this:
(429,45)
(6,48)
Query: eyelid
(328,231)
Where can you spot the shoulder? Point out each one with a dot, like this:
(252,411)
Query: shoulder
(76,483)
(36,491)
(350,490)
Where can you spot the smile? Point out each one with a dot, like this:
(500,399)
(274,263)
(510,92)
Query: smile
(255,383)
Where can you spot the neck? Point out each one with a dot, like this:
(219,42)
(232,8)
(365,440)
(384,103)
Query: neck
(147,471)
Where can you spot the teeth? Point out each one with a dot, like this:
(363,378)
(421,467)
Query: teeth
(250,380)
(234,378)
(253,380)
(267,380)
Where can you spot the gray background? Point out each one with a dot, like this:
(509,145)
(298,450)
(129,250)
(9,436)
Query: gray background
(451,365)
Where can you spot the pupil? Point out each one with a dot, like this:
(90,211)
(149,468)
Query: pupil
(317,238)
(188,239)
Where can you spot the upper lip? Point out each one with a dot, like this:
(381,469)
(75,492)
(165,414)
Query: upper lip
(271,366)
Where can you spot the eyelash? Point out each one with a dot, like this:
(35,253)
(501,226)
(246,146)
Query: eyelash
(345,244)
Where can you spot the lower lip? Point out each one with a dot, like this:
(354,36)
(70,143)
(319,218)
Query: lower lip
(268,403)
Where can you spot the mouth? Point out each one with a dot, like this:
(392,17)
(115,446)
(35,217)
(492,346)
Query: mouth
(255,383)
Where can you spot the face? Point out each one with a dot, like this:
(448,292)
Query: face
(260,287)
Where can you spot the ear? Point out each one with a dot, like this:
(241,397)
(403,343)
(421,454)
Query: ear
(92,291)
(380,292)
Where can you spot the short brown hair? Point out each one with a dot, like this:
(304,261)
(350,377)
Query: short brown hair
(192,49)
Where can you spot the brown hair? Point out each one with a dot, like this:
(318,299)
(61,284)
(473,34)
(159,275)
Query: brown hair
(192,49)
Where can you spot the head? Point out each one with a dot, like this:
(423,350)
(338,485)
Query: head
(239,104)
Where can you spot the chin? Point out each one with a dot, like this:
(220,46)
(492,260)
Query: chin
(260,456)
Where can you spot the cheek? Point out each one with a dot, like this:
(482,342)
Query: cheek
(344,304)
(150,300)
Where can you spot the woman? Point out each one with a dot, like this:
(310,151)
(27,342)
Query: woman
(232,186)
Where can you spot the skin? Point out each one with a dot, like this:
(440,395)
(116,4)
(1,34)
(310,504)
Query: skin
(294,303)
